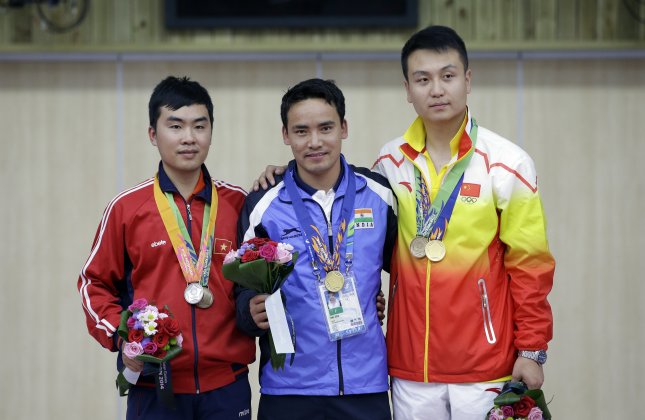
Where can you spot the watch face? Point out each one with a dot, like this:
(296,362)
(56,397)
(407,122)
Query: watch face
(541,357)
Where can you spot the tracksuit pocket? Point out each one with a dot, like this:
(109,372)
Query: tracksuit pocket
(488,319)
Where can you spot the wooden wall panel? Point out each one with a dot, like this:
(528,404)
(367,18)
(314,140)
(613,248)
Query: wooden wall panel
(247,128)
(57,174)
(582,129)
(124,25)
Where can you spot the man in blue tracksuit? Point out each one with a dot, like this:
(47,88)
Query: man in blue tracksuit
(343,225)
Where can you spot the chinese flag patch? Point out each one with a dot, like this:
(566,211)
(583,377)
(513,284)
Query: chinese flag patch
(221,246)
(469,190)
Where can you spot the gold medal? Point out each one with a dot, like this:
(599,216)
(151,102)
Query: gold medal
(435,250)
(193,293)
(207,299)
(418,246)
(334,281)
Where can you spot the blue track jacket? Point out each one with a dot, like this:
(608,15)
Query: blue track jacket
(353,365)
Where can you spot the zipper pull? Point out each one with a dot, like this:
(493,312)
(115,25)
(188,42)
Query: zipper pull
(190,215)
(329,230)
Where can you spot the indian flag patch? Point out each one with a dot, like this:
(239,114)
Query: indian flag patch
(363,219)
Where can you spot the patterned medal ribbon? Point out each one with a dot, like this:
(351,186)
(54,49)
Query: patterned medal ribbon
(314,239)
(432,219)
(195,268)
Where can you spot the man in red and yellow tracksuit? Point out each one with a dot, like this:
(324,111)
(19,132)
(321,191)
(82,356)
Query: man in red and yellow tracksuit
(472,269)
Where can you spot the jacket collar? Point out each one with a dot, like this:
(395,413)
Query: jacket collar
(166,184)
(415,139)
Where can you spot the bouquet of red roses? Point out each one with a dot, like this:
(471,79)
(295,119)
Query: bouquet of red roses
(261,265)
(151,335)
(515,401)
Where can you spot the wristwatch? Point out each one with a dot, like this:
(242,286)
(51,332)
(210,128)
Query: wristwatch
(538,356)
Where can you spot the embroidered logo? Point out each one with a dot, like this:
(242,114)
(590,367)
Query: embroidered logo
(158,243)
(363,219)
(289,233)
(222,246)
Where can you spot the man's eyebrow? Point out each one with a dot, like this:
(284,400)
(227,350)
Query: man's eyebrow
(425,72)
(174,118)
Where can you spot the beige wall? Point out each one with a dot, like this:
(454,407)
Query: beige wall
(74,133)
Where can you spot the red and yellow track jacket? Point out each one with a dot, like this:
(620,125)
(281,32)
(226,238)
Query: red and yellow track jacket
(464,318)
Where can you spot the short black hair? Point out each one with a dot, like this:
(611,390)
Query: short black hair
(313,89)
(437,38)
(177,92)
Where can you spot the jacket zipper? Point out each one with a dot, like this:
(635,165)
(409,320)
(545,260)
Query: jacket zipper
(189,227)
(488,319)
(341,385)
(330,239)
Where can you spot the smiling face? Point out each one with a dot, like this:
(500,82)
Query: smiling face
(438,86)
(183,137)
(315,133)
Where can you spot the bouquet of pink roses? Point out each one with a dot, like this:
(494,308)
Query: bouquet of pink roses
(261,265)
(151,335)
(515,401)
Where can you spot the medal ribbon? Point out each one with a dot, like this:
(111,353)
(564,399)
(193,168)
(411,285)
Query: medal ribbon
(314,240)
(195,268)
(432,219)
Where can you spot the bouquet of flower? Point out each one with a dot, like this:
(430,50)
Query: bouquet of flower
(515,401)
(151,335)
(261,265)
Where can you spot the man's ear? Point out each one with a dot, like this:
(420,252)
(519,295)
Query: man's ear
(344,130)
(406,85)
(152,134)
(285,136)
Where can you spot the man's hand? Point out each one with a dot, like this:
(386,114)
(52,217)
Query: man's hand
(133,364)
(380,306)
(528,371)
(259,312)
(266,177)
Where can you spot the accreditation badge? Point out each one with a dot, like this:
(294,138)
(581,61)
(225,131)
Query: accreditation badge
(342,310)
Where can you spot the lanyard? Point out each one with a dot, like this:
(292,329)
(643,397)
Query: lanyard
(314,240)
(195,268)
(432,219)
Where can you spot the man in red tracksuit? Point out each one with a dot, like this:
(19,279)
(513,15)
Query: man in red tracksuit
(134,256)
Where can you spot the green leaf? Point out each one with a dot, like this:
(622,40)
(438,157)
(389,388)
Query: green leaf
(174,351)
(256,275)
(277,360)
(509,398)
(540,401)
(122,385)
(252,274)
(123,325)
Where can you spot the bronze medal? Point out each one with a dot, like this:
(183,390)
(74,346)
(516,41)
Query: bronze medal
(207,299)
(334,281)
(418,246)
(435,250)
(193,293)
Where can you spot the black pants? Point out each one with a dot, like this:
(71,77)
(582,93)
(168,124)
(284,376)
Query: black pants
(231,402)
(342,407)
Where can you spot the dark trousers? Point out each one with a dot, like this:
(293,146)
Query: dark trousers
(229,402)
(343,407)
